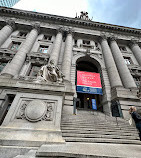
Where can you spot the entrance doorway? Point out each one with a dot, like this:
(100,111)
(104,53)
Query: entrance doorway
(84,100)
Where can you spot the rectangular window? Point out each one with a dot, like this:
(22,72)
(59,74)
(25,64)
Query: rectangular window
(47,37)
(34,70)
(123,48)
(22,34)
(43,49)
(2,65)
(137,78)
(15,46)
(75,42)
(127,60)
(86,42)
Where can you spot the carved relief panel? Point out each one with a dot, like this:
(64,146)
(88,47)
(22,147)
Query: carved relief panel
(35,110)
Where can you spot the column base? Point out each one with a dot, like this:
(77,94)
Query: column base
(121,92)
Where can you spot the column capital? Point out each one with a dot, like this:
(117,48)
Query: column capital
(11,22)
(60,30)
(70,31)
(113,38)
(133,42)
(103,37)
(36,26)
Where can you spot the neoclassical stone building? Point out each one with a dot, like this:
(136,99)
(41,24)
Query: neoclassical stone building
(38,96)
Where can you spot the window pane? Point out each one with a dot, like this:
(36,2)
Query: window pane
(43,49)
(15,46)
(34,71)
(86,42)
(2,65)
(23,34)
(122,48)
(46,37)
(127,60)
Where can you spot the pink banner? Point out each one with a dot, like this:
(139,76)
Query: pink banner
(88,79)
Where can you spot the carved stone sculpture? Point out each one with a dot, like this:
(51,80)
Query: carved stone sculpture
(36,110)
(83,16)
(50,72)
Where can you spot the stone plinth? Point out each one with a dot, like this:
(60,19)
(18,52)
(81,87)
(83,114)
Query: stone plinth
(33,119)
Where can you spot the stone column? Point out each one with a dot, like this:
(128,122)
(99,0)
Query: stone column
(136,50)
(114,78)
(66,64)
(123,70)
(18,60)
(54,55)
(6,31)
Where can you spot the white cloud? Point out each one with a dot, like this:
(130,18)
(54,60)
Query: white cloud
(56,7)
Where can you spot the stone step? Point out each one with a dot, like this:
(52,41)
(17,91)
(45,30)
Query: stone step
(93,122)
(102,140)
(108,132)
(89,150)
(97,128)
(92,119)
(103,120)
(97,125)
(91,114)
(89,119)
(100,136)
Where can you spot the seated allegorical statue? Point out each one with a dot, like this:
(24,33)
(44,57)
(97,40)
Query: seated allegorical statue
(50,72)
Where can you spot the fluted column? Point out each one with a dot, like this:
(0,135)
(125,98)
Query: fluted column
(114,78)
(6,31)
(136,50)
(18,60)
(66,64)
(56,47)
(123,70)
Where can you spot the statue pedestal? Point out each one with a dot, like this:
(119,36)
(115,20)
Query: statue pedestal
(34,117)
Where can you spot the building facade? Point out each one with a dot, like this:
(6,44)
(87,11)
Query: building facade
(8,3)
(40,55)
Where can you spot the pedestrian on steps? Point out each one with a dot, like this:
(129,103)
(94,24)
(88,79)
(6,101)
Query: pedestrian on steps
(137,118)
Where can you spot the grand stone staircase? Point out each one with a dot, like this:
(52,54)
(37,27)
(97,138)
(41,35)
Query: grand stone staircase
(91,135)
(96,127)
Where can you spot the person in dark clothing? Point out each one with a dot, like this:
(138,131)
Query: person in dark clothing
(137,118)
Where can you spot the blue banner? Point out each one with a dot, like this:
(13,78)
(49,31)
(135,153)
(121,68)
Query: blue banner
(91,90)
(94,107)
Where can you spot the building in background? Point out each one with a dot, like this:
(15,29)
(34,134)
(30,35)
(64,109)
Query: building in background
(66,85)
(8,3)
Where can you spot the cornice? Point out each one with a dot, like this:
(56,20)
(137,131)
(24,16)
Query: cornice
(10,12)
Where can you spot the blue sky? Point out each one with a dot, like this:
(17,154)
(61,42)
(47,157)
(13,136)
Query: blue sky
(118,12)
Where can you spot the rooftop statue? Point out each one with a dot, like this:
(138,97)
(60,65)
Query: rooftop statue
(83,16)
(50,72)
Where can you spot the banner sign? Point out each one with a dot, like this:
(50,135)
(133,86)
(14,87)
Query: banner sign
(88,82)
(94,107)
